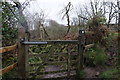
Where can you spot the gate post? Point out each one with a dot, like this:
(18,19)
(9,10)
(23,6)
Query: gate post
(22,54)
(81,44)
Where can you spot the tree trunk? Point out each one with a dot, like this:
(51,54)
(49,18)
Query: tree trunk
(22,19)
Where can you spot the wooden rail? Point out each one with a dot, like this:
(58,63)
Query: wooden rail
(50,42)
(7,69)
(52,63)
(88,46)
(51,72)
(55,54)
(9,48)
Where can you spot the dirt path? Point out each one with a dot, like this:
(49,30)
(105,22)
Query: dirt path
(52,68)
(56,68)
(91,72)
(94,72)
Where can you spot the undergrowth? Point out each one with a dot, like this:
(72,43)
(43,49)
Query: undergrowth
(113,73)
(82,74)
(95,56)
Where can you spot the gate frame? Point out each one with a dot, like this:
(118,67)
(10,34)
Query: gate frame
(23,52)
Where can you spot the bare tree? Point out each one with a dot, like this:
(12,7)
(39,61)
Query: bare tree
(39,21)
(35,20)
(110,11)
(118,4)
(22,19)
(75,21)
(82,15)
(107,10)
(65,13)
(90,10)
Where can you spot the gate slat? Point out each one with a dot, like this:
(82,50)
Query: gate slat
(51,72)
(52,63)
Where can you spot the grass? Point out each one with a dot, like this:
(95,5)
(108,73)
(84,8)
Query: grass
(82,74)
(113,73)
(113,35)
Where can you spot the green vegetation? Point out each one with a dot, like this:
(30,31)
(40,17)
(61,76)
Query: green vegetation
(82,74)
(113,35)
(35,60)
(104,38)
(9,33)
(12,74)
(113,73)
(95,56)
(97,20)
(9,36)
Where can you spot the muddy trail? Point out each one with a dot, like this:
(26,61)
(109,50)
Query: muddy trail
(57,75)
(91,72)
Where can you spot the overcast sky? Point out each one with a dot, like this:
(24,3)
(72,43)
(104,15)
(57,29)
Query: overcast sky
(53,7)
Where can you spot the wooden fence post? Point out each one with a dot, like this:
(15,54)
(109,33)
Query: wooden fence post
(81,44)
(22,54)
(118,58)
(68,64)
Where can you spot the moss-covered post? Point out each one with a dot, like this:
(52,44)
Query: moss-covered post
(22,54)
(81,44)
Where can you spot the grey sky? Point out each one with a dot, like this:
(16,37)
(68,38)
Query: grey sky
(53,7)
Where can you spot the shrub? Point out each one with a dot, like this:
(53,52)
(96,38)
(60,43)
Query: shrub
(8,21)
(9,36)
(99,31)
(95,56)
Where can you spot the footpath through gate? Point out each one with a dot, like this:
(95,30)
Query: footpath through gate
(72,61)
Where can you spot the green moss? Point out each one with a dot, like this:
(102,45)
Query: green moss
(35,60)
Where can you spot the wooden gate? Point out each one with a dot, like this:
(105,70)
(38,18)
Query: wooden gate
(68,62)
(65,57)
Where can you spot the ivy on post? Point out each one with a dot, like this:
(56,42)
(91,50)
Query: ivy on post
(81,44)
(22,54)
